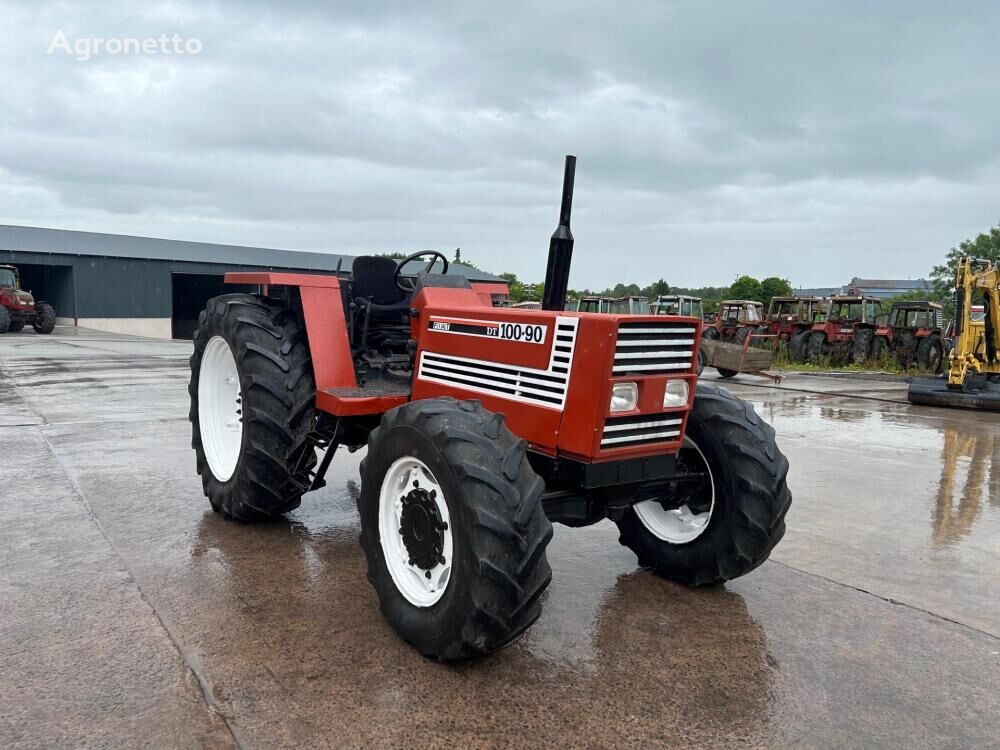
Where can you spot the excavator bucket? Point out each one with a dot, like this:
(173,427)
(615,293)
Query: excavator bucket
(982,395)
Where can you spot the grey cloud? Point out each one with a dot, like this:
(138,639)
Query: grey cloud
(813,140)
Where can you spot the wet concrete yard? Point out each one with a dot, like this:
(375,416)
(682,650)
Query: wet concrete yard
(131,615)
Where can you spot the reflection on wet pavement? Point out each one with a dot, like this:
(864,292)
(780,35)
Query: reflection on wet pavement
(270,636)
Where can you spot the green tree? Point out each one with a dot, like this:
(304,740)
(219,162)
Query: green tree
(518,293)
(986,245)
(746,287)
(771,287)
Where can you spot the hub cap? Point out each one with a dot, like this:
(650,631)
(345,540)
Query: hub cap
(682,520)
(415,531)
(220,409)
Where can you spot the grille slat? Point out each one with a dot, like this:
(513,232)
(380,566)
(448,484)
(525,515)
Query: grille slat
(546,387)
(649,348)
(620,432)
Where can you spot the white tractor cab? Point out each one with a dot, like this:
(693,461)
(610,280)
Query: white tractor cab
(594,304)
(678,304)
(630,306)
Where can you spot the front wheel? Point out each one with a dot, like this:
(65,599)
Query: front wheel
(726,522)
(45,318)
(930,353)
(816,347)
(861,349)
(797,346)
(702,361)
(4,320)
(453,529)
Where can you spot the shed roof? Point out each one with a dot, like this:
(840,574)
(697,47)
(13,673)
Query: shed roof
(72,242)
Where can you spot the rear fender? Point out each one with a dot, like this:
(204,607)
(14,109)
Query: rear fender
(326,325)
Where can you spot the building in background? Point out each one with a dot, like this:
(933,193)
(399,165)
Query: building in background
(885,288)
(881,288)
(150,287)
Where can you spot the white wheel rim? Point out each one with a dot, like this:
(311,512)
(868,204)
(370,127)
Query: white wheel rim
(411,581)
(680,525)
(220,408)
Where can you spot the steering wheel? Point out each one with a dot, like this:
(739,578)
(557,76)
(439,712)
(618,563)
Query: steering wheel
(408,284)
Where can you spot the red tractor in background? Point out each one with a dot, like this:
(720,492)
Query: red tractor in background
(736,319)
(848,333)
(914,332)
(483,426)
(790,319)
(19,308)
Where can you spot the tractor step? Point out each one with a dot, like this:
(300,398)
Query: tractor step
(376,398)
(935,392)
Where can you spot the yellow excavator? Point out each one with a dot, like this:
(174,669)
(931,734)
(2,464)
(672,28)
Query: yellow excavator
(973,377)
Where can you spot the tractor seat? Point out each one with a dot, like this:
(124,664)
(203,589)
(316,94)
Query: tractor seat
(374,289)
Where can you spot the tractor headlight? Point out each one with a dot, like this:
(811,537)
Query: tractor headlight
(676,394)
(624,396)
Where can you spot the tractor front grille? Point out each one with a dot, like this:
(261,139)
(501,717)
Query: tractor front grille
(651,348)
(625,432)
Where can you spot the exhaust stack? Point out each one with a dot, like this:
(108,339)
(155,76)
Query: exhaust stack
(561,246)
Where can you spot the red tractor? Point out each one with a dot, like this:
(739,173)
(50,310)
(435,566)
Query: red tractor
(18,308)
(483,426)
(791,319)
(848,333)
(736,319)
(914,332)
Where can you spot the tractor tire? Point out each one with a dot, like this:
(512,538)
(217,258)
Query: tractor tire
(729,525)
(741,335)
(816,347)
(702,361)
(861,349)
(930,353)
(879,346)
(481,501)
(251,367)
(797,346)
(4,320)
(15,326)
(906,350)
(710,333)
(45,318)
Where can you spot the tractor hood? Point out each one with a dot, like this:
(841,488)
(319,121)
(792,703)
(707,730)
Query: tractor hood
(17,298)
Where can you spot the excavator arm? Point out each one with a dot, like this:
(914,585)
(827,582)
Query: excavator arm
(977,343)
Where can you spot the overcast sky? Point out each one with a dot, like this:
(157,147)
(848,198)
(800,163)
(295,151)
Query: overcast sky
(815,141)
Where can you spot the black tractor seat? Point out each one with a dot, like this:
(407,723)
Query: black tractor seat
(374,289)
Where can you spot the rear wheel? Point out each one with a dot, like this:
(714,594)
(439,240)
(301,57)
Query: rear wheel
(710,333)
(452,527)
(252,394)
(930,353)
(862,348)
(45,318)
(726,373)
(4,320)
(726,524)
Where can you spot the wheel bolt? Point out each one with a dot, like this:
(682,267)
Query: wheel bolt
(434,494)
(443,526)
(427,575)
(416,483)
